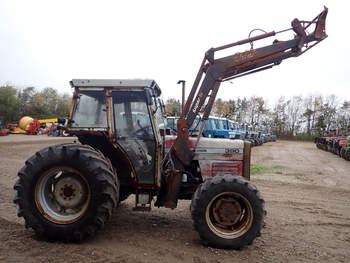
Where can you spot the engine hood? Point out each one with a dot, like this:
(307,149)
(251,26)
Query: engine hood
(211,145)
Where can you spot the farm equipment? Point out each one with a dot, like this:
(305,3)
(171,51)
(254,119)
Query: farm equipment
(225,129)
(14,129)
(258,140)
(68,191)
(29,125)
(3,132)
(345,150)
(273,137)
(45,121)
(336,141)
(56,130)
(209,129)
(235,128)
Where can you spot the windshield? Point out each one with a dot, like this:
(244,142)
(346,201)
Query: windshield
(171,123)
(219,124)
(210,124)
(90,110)
(224,123)
(232,127)
(159,114)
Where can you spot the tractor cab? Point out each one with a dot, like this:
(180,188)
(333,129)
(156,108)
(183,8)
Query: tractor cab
(126,114)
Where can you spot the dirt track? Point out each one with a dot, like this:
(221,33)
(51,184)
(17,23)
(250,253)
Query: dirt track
(307,194)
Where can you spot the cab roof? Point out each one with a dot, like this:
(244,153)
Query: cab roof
(117,84)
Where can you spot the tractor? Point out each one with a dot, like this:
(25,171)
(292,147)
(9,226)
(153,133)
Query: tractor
(68,191)
(345,150)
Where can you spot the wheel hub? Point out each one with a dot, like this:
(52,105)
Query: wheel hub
(227,211)
(229,215)
(62,194)
(69,192)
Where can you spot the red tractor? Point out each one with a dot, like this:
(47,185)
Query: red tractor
(68,191)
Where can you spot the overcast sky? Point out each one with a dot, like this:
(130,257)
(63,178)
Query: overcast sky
(48,43)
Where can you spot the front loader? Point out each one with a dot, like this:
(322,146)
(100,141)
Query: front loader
(68,191)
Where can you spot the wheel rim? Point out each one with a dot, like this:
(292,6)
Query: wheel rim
(62,195)
(229,215)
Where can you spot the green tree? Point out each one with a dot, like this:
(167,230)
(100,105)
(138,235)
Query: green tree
(26,96)
(44,104)
(64,102)
(173,107)
(241,110)
(320,125)
(9,104)
(307,114)
(294,115)
(280,116)
(256,106)
(224,108)
(343,115)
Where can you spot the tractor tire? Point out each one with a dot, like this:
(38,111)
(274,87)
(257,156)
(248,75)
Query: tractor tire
(347,154)
(227,212)
(124,194)
(343,153)
(66,192)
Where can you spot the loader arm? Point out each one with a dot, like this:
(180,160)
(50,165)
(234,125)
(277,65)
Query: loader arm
(214,71)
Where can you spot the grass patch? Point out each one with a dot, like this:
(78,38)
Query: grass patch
(260,169)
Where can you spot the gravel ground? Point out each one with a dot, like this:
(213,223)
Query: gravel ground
(307,193)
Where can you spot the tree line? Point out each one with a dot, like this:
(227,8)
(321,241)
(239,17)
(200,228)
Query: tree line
(311,115)
(47,103)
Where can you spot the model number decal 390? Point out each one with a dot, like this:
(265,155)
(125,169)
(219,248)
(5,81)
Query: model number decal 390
(231,151)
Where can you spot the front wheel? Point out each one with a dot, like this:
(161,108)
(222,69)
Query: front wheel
(227,211)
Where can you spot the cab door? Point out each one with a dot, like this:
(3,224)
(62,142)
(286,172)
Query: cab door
(134,131)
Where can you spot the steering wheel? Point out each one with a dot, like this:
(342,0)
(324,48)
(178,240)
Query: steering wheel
(142,131)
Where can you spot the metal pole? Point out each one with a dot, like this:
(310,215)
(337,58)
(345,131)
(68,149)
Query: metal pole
(183,94)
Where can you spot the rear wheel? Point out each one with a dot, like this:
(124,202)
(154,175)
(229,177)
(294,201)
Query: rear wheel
(66,192)
(227,212)
(124,194)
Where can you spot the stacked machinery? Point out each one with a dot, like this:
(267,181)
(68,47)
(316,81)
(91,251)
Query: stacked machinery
(337,142)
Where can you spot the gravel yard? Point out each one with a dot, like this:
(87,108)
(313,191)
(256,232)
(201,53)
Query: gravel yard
(307,194)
